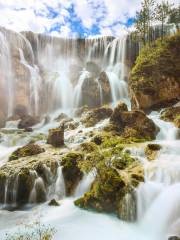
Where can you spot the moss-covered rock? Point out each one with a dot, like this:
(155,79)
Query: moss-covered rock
(91,118)
(172,114)
(56,137)
(54,203)
(71,171)
(17,177)
(28,150)
(88,147)
(152,150)
(117,173)
(131,124)
(155,78)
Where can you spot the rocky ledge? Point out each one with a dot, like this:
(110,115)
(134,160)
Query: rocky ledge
(155,78)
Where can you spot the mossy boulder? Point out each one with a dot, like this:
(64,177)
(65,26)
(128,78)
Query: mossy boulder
(71,171)
(172,114)
(152,150)
(56,137)
(131,124)
(54,203)
(28,150)
(91,118)
(155,78)
(117,173)
(19,177)
(88,147)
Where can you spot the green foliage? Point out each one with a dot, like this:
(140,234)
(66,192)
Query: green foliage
(36,231)
(162,12)
(149,13)
(174,16)
(153,62)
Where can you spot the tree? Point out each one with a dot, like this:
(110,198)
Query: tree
(174,17)
(162,12)
(143,21)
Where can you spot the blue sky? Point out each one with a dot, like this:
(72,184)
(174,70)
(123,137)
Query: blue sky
(69,18)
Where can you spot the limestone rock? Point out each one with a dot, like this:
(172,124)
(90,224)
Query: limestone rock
(28,121)
(96,115)
(152,150)
(53,202)
(56,137)
(28,150)
(154,80)
(172,114)
(132,124)
(71,172)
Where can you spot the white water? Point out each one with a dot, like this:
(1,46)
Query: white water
(158,198)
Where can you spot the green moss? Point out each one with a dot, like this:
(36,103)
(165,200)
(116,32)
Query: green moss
(28,150)
(153,62)
(88,147)
(151,150)
(71,171)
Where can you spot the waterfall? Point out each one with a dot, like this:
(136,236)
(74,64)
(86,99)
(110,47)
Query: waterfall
(6,73)
(34,87)
(78,89)
(40,65)
(116,69)
(85,184)
(158,198)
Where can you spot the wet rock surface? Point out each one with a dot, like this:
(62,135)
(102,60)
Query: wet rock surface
(91,118)
(131,124)
(28,150)
(172,114)
(56,137)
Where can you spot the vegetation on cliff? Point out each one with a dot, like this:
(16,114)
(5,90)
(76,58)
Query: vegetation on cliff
(155,78)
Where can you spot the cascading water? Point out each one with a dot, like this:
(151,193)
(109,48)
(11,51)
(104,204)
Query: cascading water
(116,69)
(48,61)
(6,73)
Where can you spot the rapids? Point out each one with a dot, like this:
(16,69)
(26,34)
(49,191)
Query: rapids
(158,198)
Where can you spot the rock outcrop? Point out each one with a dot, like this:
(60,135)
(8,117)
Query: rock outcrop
(155,80)
(172,114)
(28,150)
(56,137)
(94,116)
(131,124)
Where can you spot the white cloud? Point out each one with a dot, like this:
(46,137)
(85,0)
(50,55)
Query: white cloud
(110,16)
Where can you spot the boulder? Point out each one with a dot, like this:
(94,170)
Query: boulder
(28,150)
(19,177)
(154,80)
(56,137)
(54,203)
(28,121)
(172,114)
(132,124)
(116,115)
(152,150)
(91,118)
(62,116)
(112,187)
(71,172)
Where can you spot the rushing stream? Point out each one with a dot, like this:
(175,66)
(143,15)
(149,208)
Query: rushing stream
(158,198)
